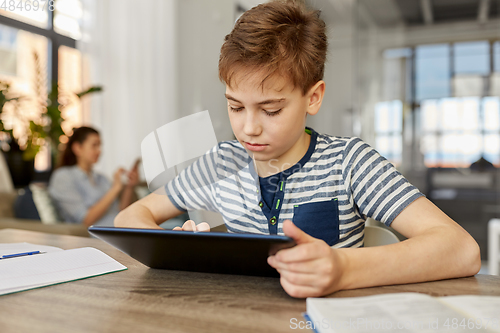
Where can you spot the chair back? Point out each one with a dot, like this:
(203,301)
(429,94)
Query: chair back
(377,236)
(6,185)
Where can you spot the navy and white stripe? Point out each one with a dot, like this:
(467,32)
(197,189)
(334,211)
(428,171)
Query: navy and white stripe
(343,168)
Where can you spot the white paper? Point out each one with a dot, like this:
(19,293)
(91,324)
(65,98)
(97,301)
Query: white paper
(407,312)
(482,309)
(28,272)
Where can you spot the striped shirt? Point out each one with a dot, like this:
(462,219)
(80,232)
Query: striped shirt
(329,193)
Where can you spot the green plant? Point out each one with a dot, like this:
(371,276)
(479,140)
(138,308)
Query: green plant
(49,126)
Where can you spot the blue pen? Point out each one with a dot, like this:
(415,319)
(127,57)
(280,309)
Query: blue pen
(19,254)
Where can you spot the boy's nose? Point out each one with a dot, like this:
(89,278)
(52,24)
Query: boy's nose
(252,125)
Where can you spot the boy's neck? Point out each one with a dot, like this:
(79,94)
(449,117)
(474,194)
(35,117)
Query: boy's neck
(285,161)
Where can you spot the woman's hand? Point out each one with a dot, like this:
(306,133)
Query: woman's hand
(189,225)
(117,178)
(133,176)
(311,268)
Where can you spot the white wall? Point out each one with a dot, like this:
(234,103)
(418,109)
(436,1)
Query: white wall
(202,26)
(132,55)
(335,115)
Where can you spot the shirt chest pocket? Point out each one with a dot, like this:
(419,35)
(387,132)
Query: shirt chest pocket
(319,220)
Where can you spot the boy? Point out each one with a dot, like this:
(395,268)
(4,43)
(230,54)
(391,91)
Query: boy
(272,64)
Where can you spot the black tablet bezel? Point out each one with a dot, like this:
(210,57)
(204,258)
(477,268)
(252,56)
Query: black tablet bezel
(212,252)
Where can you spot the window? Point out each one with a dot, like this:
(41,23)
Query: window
(458,131)
(472,58)
(67,18)
(26,70)
(432,71)
(70,79)
(32,12)
(38,50)
(496,56)
(8,51)
(388,129)
(453,92)
(397,85)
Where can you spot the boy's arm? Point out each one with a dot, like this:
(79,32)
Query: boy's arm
(436,248)
(157,207)
(148,212)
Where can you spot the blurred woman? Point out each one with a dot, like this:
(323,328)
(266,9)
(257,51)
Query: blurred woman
(82,195)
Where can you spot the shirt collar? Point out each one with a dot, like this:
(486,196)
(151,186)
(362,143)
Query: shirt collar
(80,173)
(297,166)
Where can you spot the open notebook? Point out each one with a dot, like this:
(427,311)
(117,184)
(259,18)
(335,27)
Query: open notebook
(52,266)
(409,312)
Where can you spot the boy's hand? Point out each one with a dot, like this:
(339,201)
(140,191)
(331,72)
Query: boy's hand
(189,225)
(311,268)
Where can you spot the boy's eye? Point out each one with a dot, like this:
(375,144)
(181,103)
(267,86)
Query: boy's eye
(269,113)
(272,113)
(235,109)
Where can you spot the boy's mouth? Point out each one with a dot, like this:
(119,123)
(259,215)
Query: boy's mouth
(254,146)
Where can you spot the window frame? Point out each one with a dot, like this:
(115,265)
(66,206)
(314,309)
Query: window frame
(56,40)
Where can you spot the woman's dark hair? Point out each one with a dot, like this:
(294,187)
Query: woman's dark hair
(80,134)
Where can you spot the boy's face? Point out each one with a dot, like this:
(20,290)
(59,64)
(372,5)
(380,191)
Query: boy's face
(272,116)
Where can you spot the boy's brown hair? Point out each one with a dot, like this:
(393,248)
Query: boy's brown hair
(280,37)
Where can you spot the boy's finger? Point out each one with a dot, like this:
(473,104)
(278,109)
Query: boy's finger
(297,267)
(203,226)
(299,253)
(299,279)
(177,228)
(299,291)
(189,225)
(294,232)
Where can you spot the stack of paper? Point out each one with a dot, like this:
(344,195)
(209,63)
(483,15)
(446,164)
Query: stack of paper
(51,266)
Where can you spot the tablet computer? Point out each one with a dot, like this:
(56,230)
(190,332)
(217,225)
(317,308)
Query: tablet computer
(212,252)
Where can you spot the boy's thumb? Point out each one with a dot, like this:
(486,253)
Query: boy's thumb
(292,231)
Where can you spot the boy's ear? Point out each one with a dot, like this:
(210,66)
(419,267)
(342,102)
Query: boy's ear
(315,97)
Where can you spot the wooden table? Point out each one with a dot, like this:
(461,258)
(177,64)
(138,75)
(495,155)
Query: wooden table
(148,300)
(33,225)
